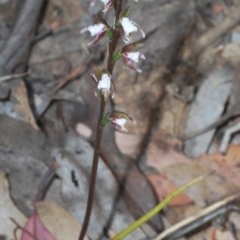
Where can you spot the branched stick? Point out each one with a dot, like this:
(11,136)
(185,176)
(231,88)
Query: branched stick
(17,46)
(232,20)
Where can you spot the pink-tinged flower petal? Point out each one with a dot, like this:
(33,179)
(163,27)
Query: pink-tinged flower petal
(119,124)
(93,2)
(97,30)
(130,27)
(94,78)
(93,29)
(107,4)
(130,58)
(119,121)
(34,229)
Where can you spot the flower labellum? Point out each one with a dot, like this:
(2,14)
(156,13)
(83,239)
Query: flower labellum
(129,58)
(129,27)
(119,124)
(97,30)
(119,120)
(104,84)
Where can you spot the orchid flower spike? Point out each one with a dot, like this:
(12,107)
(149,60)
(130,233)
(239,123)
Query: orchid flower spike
(97,30)
(129,27)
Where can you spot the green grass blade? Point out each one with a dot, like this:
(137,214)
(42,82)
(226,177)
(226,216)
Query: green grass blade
(156,209)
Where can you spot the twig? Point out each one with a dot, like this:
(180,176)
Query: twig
(46,180)
(18,43)
(204,216)
(18,226)
(73,74)
(12,76)
(227,135)
(233,113)
(232,20)
(49,32)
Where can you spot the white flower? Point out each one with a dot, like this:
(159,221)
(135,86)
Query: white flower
(105,86)
(97,30)
(134,56)
(119,120)
(129,27)
(130,58)
(119,124)
(104,82)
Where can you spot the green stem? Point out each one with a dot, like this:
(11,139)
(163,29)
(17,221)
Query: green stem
(94,170)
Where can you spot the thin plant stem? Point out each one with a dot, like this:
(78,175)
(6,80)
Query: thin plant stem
(110,65)
(94,170)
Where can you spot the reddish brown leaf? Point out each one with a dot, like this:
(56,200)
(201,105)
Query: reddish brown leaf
(225,165)
(218,8)
(160,156)
(217,234)
(54,25)
(163,187)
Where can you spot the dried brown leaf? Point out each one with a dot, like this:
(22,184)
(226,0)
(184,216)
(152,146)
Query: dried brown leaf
(8,210)
(57,221)
(21,103)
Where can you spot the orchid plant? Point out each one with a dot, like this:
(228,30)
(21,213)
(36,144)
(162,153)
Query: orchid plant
(119,32)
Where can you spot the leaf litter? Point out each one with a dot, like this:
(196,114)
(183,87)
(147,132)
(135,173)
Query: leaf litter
(162,159)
